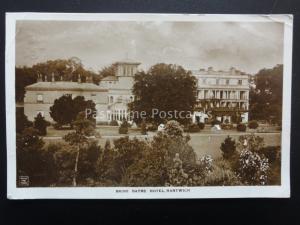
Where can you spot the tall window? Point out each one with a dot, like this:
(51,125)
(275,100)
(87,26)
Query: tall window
(240,82)
(111,99)
(39,98)
(227,82)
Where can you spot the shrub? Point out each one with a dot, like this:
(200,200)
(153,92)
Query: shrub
(215,122)
(143,128)
(193,128)
(221,175)
(241,127)
(271,152)
(41,124)
(228,148)
(226,121)
(123,129)
(152,127)
(21,121)
(252,168)
(227,126)
(201,125)
(113,123)
(253,124)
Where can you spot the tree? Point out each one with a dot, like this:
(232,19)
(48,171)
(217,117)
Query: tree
(108,71)
(34,161)
(228,148)
(21,121)
(165,88)
(266,97)
(65,109)
(41,124)
(79,139)
(63,69)
(123,129)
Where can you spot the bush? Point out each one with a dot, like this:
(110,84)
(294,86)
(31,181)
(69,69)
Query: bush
(252,168)
(201,125)
(41,124)
(215,122)
(193,128)
(143,128)
(113,123)
(228,148)
(253,124)
(123,129)
(241,127)
(227,126)
(152,127)
(271,152)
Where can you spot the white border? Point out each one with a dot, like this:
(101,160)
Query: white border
(13,192)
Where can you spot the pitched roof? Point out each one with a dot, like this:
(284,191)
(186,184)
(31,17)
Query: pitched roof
(64,85)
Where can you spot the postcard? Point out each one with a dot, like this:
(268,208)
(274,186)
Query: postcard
(148,106)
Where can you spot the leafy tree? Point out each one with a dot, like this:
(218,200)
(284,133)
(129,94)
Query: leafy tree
(34,161)
(65,109)
(266,97)
(79,139)
(123,129)
(167,88)
(228,148)
(253,124)
(41,124)
(63,69)
(108,71)
(21,121)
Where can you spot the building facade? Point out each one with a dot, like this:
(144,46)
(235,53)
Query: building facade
(223,95)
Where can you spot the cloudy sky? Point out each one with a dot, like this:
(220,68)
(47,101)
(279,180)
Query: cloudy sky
(246,46)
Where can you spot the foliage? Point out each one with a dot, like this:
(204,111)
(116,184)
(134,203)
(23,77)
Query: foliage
(266,98)
(221,175)
(228,148)
(21,121)
(241,127)
(123,129)
(79,140)
(193,128)
(114,123)
(253,124)
(41,124)
(143,128)
(253,169)
(108,71)
(201,125)
(173,129)
(32,160)
(215,122)
(63,69)
(253,142)
(167,88)
(65,109)
(226,126)
(271,153)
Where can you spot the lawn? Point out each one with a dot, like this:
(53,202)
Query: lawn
(203,143)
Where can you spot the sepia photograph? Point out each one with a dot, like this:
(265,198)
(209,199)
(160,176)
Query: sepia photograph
(148,105)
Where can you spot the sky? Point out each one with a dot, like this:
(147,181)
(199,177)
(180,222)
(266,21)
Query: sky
(247,46)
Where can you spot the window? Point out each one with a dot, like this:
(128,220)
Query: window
(111,99)
(240,82)
(93,95)
(131,98)
(39,98)
(227,82)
